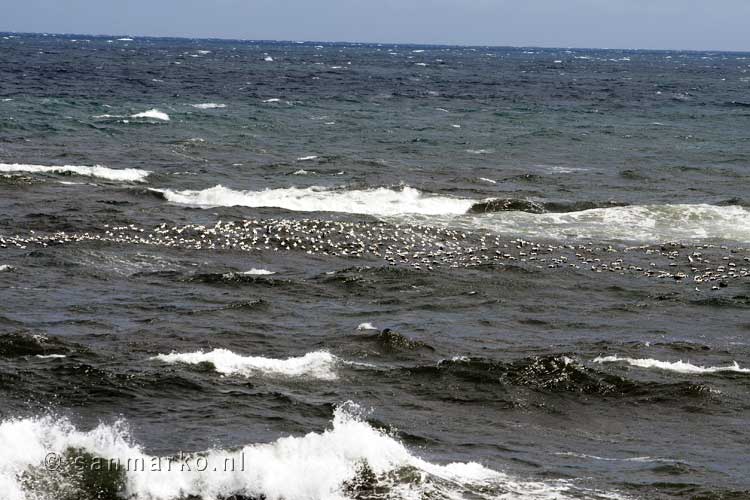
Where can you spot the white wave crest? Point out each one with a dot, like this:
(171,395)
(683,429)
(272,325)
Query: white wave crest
(209,105)
(153,114)
(640,223)
(125,174)
(310,467)
(366,326)
(379,201)
(319,365)
(675,366)
(257,272)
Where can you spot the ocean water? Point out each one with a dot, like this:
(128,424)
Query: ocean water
(372,271)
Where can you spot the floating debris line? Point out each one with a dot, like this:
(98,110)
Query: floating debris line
(420,246)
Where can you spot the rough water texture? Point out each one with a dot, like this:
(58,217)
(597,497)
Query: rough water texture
(373,271)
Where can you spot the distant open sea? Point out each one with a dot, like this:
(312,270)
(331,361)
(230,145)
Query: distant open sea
(308,271)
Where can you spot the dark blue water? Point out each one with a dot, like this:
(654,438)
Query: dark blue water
(445,272)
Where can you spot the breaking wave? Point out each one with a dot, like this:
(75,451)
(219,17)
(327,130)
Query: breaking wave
(153,114)
(125,174)
(319,365)
(641,223)
(349,460)
(517,217)
(378,201)
(675,366)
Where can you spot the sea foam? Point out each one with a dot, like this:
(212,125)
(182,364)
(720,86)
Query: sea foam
(319,365)
(209,105)
(377,201)
(125,174)
(640,223)
(675,366)
(316,466)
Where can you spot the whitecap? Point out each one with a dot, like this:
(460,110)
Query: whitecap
(366,326)
(6,268)
(125,174)
(634,223)
(565,170)
(485,179)
(307,158)
(378,201)
(257,272)
(153,114)
(50,356)
(209,105)
(319,365)
(675,366)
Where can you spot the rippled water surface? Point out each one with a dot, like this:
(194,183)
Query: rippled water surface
(373,271)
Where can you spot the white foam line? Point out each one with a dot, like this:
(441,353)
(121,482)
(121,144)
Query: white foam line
(209,105)
(378,201)
(251,272)
(316,365)
(125,174)
(676,366)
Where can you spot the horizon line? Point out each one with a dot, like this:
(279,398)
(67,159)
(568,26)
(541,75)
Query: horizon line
(349,42)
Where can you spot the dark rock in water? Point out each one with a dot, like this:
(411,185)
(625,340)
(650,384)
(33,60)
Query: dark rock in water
(732,202)
(631,174)
(578,206)
(79,475)
(538,207)
(395,341)
(507,205)
(363,484)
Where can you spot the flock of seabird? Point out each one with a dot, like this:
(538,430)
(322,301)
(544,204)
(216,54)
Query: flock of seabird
(421,247)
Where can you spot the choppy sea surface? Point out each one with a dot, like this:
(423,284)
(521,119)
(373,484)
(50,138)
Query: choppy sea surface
(372,271)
